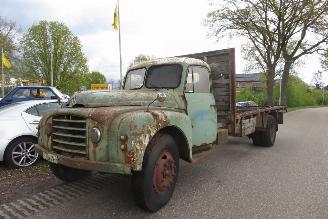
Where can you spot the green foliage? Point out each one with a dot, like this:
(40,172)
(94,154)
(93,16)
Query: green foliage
(94,77)
(299,94)
(247,94)
(53,39)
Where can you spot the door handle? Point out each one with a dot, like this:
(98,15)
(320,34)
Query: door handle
(34,122)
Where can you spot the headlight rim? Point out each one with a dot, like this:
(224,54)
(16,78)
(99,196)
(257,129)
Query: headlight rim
(95,135)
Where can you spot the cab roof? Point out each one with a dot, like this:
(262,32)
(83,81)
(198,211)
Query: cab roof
(170,60)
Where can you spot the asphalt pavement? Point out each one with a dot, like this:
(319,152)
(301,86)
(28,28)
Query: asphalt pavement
(239,180)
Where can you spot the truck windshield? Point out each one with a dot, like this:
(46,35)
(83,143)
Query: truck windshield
(158,76)
(164,76)
(134,79)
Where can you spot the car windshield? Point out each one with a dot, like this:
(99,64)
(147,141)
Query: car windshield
(134,79)
(159,76)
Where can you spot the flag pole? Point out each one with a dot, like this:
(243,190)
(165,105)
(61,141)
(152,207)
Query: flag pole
(2,75)
(119,39)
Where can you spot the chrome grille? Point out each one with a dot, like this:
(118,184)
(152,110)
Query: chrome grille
(69,135)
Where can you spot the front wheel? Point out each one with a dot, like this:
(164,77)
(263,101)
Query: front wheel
(68,174)
(153,187)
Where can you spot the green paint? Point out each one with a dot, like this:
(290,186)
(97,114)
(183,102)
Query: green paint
(203,117)
(127,124)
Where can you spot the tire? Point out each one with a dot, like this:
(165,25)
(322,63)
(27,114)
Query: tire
(268,137)
(257,138)
(152,187)
(21,153)
(68,174)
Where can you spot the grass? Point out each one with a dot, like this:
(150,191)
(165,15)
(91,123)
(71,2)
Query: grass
(291,109)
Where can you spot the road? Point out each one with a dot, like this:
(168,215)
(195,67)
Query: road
(238,180)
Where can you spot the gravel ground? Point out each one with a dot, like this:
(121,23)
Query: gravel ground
(17,183)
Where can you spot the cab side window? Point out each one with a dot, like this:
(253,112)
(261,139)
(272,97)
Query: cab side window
(42,109)
(21,93)
(47,107)
(32,111)
(198,80)
(47,94)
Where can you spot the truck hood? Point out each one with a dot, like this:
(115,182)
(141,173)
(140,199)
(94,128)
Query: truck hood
(93,99)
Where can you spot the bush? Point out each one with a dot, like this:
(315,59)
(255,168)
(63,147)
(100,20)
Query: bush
(247,94)
(298,94)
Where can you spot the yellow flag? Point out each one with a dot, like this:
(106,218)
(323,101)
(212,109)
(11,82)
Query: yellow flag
(115,20)
(5,61)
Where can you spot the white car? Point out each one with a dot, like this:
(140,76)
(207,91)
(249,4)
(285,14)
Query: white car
(18,129)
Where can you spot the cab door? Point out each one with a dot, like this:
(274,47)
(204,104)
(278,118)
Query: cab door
(201,107)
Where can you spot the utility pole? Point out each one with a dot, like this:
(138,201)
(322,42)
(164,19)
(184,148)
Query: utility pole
(323,95)
(51,58)
(51,68)
(119,39)
(280,91)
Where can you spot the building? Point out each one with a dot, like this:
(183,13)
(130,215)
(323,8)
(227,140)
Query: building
(256,81)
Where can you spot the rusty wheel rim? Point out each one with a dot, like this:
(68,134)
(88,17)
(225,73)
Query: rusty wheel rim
(164,173)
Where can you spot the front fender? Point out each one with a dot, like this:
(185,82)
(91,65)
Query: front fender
(136,129)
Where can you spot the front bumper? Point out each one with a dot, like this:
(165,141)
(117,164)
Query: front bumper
(91,165)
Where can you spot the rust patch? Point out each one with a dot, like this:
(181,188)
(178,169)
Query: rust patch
(100,116)
(131,157)
(160,122)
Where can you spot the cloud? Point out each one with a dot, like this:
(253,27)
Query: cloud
(159,28)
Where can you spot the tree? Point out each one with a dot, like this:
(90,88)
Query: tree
(317,79)
(277,31)
(141,58)
(9,36)
(53,40)
(94,77)
(305,32)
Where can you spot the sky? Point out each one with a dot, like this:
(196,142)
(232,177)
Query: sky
(153,27)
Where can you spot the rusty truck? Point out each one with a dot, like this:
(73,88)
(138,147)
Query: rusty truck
(168,109)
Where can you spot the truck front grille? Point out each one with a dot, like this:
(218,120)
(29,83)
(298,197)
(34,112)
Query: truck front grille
(69,135)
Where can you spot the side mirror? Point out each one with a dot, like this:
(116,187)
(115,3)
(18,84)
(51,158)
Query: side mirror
(9,100)
(161,97)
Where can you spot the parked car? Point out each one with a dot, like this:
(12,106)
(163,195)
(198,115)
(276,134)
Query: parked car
(26,93)
(18,125)
(246,104)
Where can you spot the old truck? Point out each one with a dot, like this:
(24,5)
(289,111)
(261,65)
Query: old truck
(169,109)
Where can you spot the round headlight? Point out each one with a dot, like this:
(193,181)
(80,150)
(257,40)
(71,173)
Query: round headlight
(95,135)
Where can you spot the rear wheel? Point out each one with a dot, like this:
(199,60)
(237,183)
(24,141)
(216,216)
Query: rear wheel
(68,174)
(154,185)
(267,137)
(21,153)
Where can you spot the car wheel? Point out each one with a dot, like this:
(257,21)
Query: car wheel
(154,185)
(21,152)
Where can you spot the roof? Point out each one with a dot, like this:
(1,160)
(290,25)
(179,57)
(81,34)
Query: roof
(248,77)
(170,60)
(21,106)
